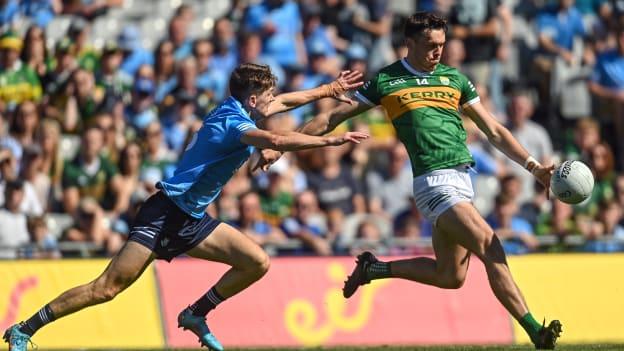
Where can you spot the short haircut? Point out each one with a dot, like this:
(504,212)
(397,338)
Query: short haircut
(422,22)
(13,185)
(250,78)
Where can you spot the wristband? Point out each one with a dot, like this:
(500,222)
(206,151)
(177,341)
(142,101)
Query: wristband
(530,164)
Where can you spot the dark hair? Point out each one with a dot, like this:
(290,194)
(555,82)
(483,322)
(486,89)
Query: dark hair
(125,155)
(13,185)
(250,78)
(422,22)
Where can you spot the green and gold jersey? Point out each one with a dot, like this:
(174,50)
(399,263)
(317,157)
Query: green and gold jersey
(424,109)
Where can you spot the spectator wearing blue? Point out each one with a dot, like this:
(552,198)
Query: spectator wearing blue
(557,26)
(142,111)
(516,233)
(180,121)
(209,78)
(314,31)
(308,225)
(279,23)
(357,58)
(250,51)
(178,34)
(41,12)
(134,55)
(225,46)
(9,11)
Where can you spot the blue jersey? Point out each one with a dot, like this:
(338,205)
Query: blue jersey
(211,158)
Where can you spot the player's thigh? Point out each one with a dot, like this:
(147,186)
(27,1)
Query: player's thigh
(228,245)
(452,259)
(127,266)
(463,225)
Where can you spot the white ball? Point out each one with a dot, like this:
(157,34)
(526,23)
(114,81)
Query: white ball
(572,182)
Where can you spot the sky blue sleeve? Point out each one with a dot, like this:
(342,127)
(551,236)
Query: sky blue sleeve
(238,125)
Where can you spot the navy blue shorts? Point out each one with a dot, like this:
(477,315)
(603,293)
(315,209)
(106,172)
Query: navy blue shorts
(164,228)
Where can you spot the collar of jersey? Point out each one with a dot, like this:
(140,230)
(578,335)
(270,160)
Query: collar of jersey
(412,69)
(239,106)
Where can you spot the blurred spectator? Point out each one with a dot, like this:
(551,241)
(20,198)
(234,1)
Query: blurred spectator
(142,109)
(598,239)
(560,221)
(314,31)
(84,99)
(90,227)
(30,204)
(253,225)
(335,185)
(185,84)
(56,82)
(89,9)
(115,82)
(164,63)
(225,47)
(474,22)
(49,138)
(22,128)
(13,228)
(279,23)
(533,137)
(112,141)
(250,51)
(209,78)
(181,122)
(178,34)
(46,243)
(9,12)
(485,163)
(90,175)
(586,135)
(41,12)
(78,32)
(158,161)
(378,26)
(134,55)
(32,173)
(307,225)
(34,53)
(601,161)
(516,233)
(276,203)
(129,188)
(538,209)
(454,53)
(390,190)
(18,82)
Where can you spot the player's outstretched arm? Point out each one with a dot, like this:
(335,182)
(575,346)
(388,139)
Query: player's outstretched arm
(347,80)
(503,140)
(324,123)
(293,141)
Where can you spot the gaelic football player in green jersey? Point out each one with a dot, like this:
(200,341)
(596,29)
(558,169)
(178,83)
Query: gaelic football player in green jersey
(423,98)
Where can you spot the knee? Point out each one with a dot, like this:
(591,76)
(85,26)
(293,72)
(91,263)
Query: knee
(103,291)
(259,264)
(452,281)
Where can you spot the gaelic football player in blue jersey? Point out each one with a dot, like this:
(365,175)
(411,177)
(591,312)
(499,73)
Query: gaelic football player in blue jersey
(174,220)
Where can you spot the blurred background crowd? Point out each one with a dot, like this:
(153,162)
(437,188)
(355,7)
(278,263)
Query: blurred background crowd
(98,99)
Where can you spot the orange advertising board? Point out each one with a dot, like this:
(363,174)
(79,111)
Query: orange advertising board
(299,303)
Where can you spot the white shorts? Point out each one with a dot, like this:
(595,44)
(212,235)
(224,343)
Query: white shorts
(439,190)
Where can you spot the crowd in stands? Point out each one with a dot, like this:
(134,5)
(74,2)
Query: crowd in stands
(98,99)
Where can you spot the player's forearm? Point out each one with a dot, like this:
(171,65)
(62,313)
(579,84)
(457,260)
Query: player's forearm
(504,141)
(289,101)
(319,125)
(293,141)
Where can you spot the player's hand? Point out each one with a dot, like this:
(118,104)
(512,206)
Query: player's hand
(353,137)
(543,175)
(347,80)
(264,159)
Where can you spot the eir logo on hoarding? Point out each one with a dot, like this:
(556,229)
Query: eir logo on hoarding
(302,318)
(15,299)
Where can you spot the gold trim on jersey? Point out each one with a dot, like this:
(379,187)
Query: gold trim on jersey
(408,99)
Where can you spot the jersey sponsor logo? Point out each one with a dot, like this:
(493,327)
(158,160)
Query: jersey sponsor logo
(397,81)
(404,100)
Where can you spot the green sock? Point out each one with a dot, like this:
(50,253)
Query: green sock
(379,270)
(530,325)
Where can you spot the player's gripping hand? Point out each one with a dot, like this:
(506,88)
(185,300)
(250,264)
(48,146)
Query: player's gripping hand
(347,80)
(353,137)
(543,175)
(263,159)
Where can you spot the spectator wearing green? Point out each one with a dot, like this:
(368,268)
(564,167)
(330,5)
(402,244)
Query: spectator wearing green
(18,82)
